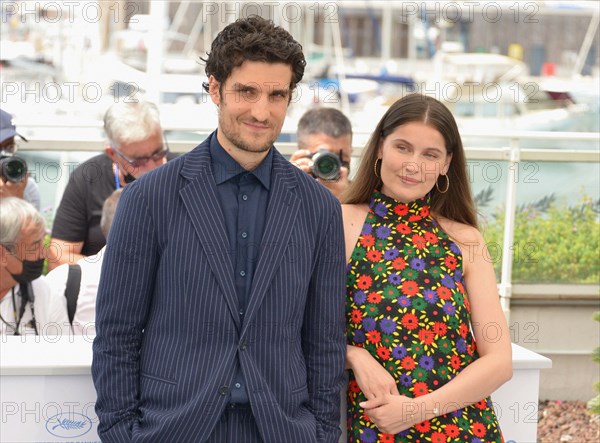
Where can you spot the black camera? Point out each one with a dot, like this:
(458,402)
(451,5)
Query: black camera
(12,167)
(326,165)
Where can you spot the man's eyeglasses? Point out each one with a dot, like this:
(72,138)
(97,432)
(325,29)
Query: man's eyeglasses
(140,162)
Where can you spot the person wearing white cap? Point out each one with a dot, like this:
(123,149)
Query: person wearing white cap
(25,187)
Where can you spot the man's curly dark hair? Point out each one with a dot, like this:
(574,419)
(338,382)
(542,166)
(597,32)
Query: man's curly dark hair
(256,39)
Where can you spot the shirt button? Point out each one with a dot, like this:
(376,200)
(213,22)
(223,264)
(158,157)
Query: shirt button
(224,390)
(241,312)
(244,234)
(238,385)
(243,344)
(244,197)
(243,273)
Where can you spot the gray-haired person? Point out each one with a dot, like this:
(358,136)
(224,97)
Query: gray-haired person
(135,145)
(27,305)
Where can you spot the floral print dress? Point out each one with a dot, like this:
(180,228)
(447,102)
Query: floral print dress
(407,305)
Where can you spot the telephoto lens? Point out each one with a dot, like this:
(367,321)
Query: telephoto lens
(326,165)
(12,167)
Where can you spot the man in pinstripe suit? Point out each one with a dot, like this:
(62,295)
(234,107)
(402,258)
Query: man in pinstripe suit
(220,312)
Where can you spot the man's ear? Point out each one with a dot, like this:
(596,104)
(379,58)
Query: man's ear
(214,87)
(109,152)
(3,255)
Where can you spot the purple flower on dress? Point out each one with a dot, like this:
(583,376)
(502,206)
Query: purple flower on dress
(359,297)
(448,281)
(387,325)
(366,229)
(405,380)
(380,209)
(476,440)
(449,308)
(395,279)
(417,264)
(399,352)
(430,296)
(368,435)
(404,433)
(455,248)
(458,275)
(368,323)
(382,232)
(359,336)
(391,254)
(461,345)
(404,301)
(426,362)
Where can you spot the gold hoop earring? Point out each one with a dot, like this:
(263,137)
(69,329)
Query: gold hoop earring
(375,167)
(447,184)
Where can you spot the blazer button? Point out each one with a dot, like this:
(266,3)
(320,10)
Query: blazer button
(243,344)
(224,390)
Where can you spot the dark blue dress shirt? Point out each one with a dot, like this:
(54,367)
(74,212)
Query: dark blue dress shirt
(244,196)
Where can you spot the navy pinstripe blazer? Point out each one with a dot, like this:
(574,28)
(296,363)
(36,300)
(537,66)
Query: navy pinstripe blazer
(168,329)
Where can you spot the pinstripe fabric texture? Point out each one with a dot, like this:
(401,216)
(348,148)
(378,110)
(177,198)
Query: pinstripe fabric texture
(168,329)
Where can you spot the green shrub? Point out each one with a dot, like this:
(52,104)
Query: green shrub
(552,243)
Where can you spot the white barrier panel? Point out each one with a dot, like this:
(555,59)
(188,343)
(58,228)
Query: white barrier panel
(47,394)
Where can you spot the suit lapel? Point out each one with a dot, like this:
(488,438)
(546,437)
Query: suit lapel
(281,213)
(200,199)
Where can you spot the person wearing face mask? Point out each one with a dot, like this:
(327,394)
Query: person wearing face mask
(135,145)
(27,305)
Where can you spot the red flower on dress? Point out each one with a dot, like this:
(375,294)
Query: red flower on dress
(424,211)
(399,263)
(481,404)
(452,430)
(373,337)
(451,262)
(383,352)
(410,287)
(444,293)
(463,330)
(409,363)
(440,328)
(438,437)
(423,427)
(401,209)
(455,362)
(353,387)
(367,241)
(419,241)
(410,321)
(364,282)
(403,228)
(431,237)
(478,429)
(414,218)
(374,255)
(420,388)
(356,316)
(374,297)
(426,336)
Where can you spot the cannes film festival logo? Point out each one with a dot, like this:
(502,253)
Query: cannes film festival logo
(69,425)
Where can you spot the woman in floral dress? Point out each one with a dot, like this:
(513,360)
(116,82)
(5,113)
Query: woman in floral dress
(427,338)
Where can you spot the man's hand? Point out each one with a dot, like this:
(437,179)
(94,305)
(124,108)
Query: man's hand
(11,189)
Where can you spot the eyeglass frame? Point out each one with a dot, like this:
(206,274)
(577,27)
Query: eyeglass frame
(144,160)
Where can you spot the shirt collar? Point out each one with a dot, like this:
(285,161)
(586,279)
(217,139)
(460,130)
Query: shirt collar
(224,167)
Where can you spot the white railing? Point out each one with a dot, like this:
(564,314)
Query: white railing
(510,151)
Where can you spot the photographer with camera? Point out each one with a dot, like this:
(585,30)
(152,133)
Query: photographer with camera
(325,148)
(14,177)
